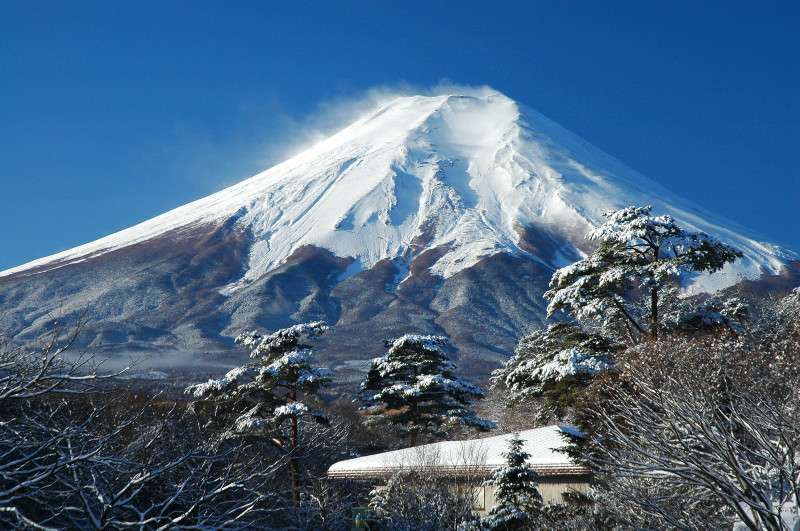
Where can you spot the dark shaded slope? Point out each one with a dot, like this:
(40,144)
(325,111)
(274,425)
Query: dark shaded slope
(151,295)
(299,290)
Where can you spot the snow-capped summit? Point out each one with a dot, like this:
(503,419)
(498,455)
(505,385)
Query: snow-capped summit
(412,199)
(418,173)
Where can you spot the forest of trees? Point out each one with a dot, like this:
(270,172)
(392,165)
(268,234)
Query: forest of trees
(687,412)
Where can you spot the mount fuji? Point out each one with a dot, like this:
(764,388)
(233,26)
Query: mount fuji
(444,214)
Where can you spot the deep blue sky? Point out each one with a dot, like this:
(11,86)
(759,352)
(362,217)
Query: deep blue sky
(114,112)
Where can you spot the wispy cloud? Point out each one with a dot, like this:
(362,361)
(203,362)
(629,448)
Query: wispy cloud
(333,114)
(265,133)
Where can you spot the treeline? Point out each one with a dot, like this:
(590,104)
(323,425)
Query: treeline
(689,407)
(81,449)
(688,411)
(697,430)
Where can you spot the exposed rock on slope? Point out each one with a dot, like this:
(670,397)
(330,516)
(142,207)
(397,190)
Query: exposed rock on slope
(442,215)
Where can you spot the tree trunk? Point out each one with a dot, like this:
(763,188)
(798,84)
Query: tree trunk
(414,410)
(293,467)
(654,314)
(654,303)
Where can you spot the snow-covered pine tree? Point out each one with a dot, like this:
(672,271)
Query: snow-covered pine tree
(553,363)
(709,315)
(518,500)
(268,387)
(413,386)
(638,254)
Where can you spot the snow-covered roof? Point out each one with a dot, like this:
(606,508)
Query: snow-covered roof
(471,457)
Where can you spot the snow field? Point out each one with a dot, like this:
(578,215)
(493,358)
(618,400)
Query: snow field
(460,172)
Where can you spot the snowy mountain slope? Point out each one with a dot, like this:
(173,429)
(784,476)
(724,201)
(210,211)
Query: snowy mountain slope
(465,172)
(431,206)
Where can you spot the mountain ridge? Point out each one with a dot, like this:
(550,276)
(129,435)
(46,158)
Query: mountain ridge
(403,169)
(401,222)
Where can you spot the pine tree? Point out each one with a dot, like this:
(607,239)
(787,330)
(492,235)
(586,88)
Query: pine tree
(269,387)
(417,390)
(638,256)
(709,315)
(518,500)
(553,364)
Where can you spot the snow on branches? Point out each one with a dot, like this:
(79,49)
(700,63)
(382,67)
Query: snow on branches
(281,369)
(637,253)
(551,363)
(518,499)
(281,363)
(414,386)
(708,315)
(700,432)
(284,340)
